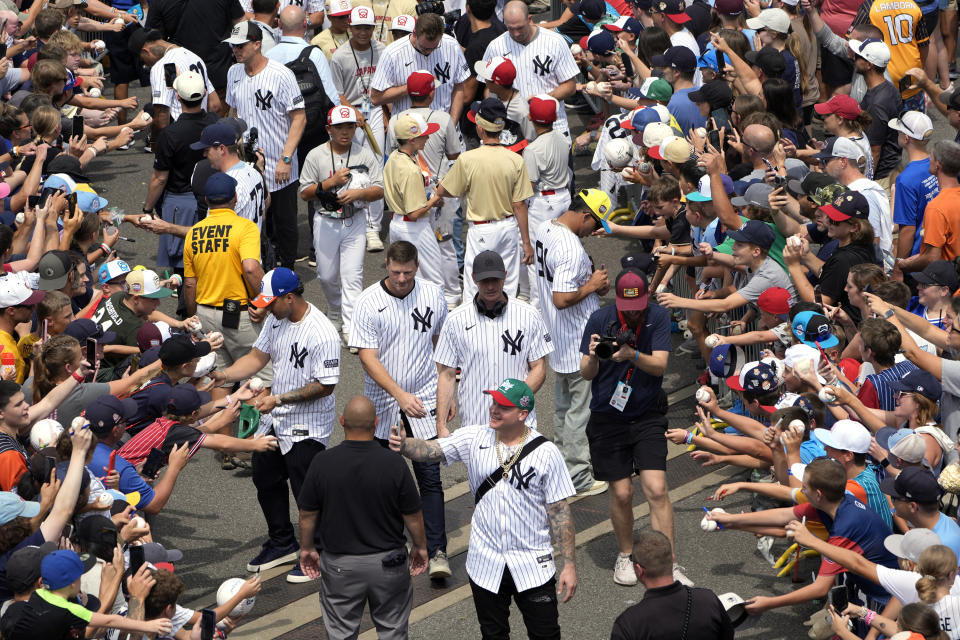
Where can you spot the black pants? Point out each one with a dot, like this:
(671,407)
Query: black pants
(281,225)
(538,606)
(271,470)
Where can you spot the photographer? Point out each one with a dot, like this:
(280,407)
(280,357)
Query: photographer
(625,349)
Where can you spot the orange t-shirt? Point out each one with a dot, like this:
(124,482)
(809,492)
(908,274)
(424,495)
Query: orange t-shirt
(939,219)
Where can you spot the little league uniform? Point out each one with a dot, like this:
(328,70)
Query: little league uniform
(488,350)
(446,63)
(185,61)
(384,12)
(402,332)
(563,266)
(340,242)
(546,160)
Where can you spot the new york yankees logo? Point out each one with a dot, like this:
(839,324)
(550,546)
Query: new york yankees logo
(521,479)
(422,321)
(297,356)
(442,74)
(542,67)
(512,344)
(264,102)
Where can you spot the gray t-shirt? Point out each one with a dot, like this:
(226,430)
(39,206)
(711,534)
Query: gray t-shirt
(440,145)
(321,163)
(768,275)
(950,399)
(353,70)
(75,403)
(546,159)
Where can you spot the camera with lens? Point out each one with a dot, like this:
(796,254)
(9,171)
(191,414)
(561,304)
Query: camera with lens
(609,344)
(450,18)
(328,200)
(250,147)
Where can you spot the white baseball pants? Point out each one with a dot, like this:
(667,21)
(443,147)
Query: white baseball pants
(500,236)
(421,235)
(340,245)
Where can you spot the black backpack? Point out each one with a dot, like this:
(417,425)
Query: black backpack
(316,102)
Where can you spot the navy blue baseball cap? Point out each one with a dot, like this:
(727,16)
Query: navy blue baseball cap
(277,282)
(217,133)
(755,377)
(625,23)
(940,273)
(680,58)
(601,42)
(725,359)
(84,328)
(490,114)
(919,381)
(220,187)
(181,349)
(107,411)
(185,399)
(754,232)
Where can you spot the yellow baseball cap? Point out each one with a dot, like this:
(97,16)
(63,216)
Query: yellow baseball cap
(599,203)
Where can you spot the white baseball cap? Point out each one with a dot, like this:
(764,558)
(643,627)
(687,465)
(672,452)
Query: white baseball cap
(362,16)
(413,125)
(774,19)
(911,544)
(342,114)
(913,124)
(844,147)
(403,22)
(190,86)
(798,352)
(845,435)
(14,292)
(910,448)
(874,51)
(339,8)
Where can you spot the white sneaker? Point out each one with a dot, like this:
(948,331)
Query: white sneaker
(679,575)
(623,572)
(598,487)
(439,567)
(765,546)
(374,243)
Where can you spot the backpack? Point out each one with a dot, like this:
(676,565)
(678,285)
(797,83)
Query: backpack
(316,102)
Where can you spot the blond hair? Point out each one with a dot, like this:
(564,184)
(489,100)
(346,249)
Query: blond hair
(936,564)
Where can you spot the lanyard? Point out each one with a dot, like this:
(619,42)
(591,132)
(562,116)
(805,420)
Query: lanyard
(363,85)
(623,323)
(333,162)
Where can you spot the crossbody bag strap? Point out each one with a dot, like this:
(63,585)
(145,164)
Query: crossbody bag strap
(497,475)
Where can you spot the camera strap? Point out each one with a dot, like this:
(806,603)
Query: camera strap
(333,161)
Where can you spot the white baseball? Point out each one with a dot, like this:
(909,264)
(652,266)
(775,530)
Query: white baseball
(20,218)
(701,132)
(99,44)
(105,500)
(711,340)
(708,525)
(78,424)
(145,117)
(575,49)
(591,86)
(229,589)
(604,87)
(146,218)
(795,242)
(826,395)
(213,336)
(126,130)
(703,395)
(94,92)
(627,173)
(256,384)
(138,523)
(45,433)
(119,21)
(796,426)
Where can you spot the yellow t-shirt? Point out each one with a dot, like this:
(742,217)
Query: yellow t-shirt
(490,178)
(328,42)
(213,253)
(7,343)
(403,186)
(903,32)
(384,12)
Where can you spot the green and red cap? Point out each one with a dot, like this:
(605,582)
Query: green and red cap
(513,393)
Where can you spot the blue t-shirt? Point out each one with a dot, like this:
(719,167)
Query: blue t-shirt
(949,532)
(647,389)
(915,187)
(811,449)
(685,111)
(130,480)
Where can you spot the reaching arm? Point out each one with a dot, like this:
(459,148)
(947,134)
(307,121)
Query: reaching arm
(422,450)
(66,499)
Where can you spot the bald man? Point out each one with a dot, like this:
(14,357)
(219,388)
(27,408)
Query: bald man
(360,517)
(760,140)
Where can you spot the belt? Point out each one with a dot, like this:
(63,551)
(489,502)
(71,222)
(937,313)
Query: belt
(550,192)
(220,308)
(409,219)
(489,221)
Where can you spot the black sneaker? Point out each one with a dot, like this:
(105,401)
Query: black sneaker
(270,557)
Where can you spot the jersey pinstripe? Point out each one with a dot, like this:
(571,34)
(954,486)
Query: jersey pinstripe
(251,192)
(509,526)
(309,6)
(185,61)
(563,266)
(301,352)
(490,349)
(265,101)
(542,64)
(400,59)
(402,331)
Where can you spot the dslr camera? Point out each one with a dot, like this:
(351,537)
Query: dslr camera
(450,18)
(250,146)
(614,339)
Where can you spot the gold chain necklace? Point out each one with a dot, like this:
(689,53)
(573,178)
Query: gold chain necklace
(506,466)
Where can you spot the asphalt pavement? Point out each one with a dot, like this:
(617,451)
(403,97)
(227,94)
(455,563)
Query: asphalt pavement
(214,518)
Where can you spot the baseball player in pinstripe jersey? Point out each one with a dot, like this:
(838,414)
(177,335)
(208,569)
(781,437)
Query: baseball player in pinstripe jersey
(428,47)
(542,58)
(266,95)
(569,292)
(490,337)
(299,409)
(395,327)
(521,487)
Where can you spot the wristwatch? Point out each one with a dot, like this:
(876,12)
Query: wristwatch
(286,159)
(889,313)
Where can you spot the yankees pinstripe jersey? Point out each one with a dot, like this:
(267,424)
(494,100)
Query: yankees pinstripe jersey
(402,331)
(185,61)
(445,142)
(308,6)
(489,350)
(563,266)
(353,70)
(301,353)
(251,192)
(510,526)
(400,59)
(265,101)
(542,64)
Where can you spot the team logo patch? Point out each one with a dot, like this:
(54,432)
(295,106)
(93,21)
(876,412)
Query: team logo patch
(506,386)
(603,209)
(414,129)
(402,20)
(331,363)
(362,13)
(631,293)
(524,401)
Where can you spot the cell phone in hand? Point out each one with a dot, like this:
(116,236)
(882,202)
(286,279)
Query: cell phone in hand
(169,74)
(46,329)
(67,531)
(208,623)
(837,597)
(136,559)
(77,128)
(3,51)
(32,201)
(45,196)
(72,202)
(91,358)
(154,462)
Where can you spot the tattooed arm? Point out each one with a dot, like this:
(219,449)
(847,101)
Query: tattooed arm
(416,449)
(562,536)
(309,391)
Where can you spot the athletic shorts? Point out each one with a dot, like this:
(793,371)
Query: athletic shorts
(931,20)
(124,67)
(835,71)
(620,447)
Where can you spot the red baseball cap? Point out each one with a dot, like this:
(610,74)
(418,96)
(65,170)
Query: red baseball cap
(844,106)
(775,300)
(543,108)
(631,291)
(420,83)
(499,70)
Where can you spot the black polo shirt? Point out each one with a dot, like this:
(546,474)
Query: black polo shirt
(203,27)
(361,491)
(173,152)
(660,615)
(55,619)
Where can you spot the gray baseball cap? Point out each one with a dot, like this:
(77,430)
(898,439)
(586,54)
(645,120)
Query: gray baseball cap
(911,544)
(488,264)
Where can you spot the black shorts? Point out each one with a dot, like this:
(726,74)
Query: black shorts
(930,21)
(124,68)
(835,71)
(620,447)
